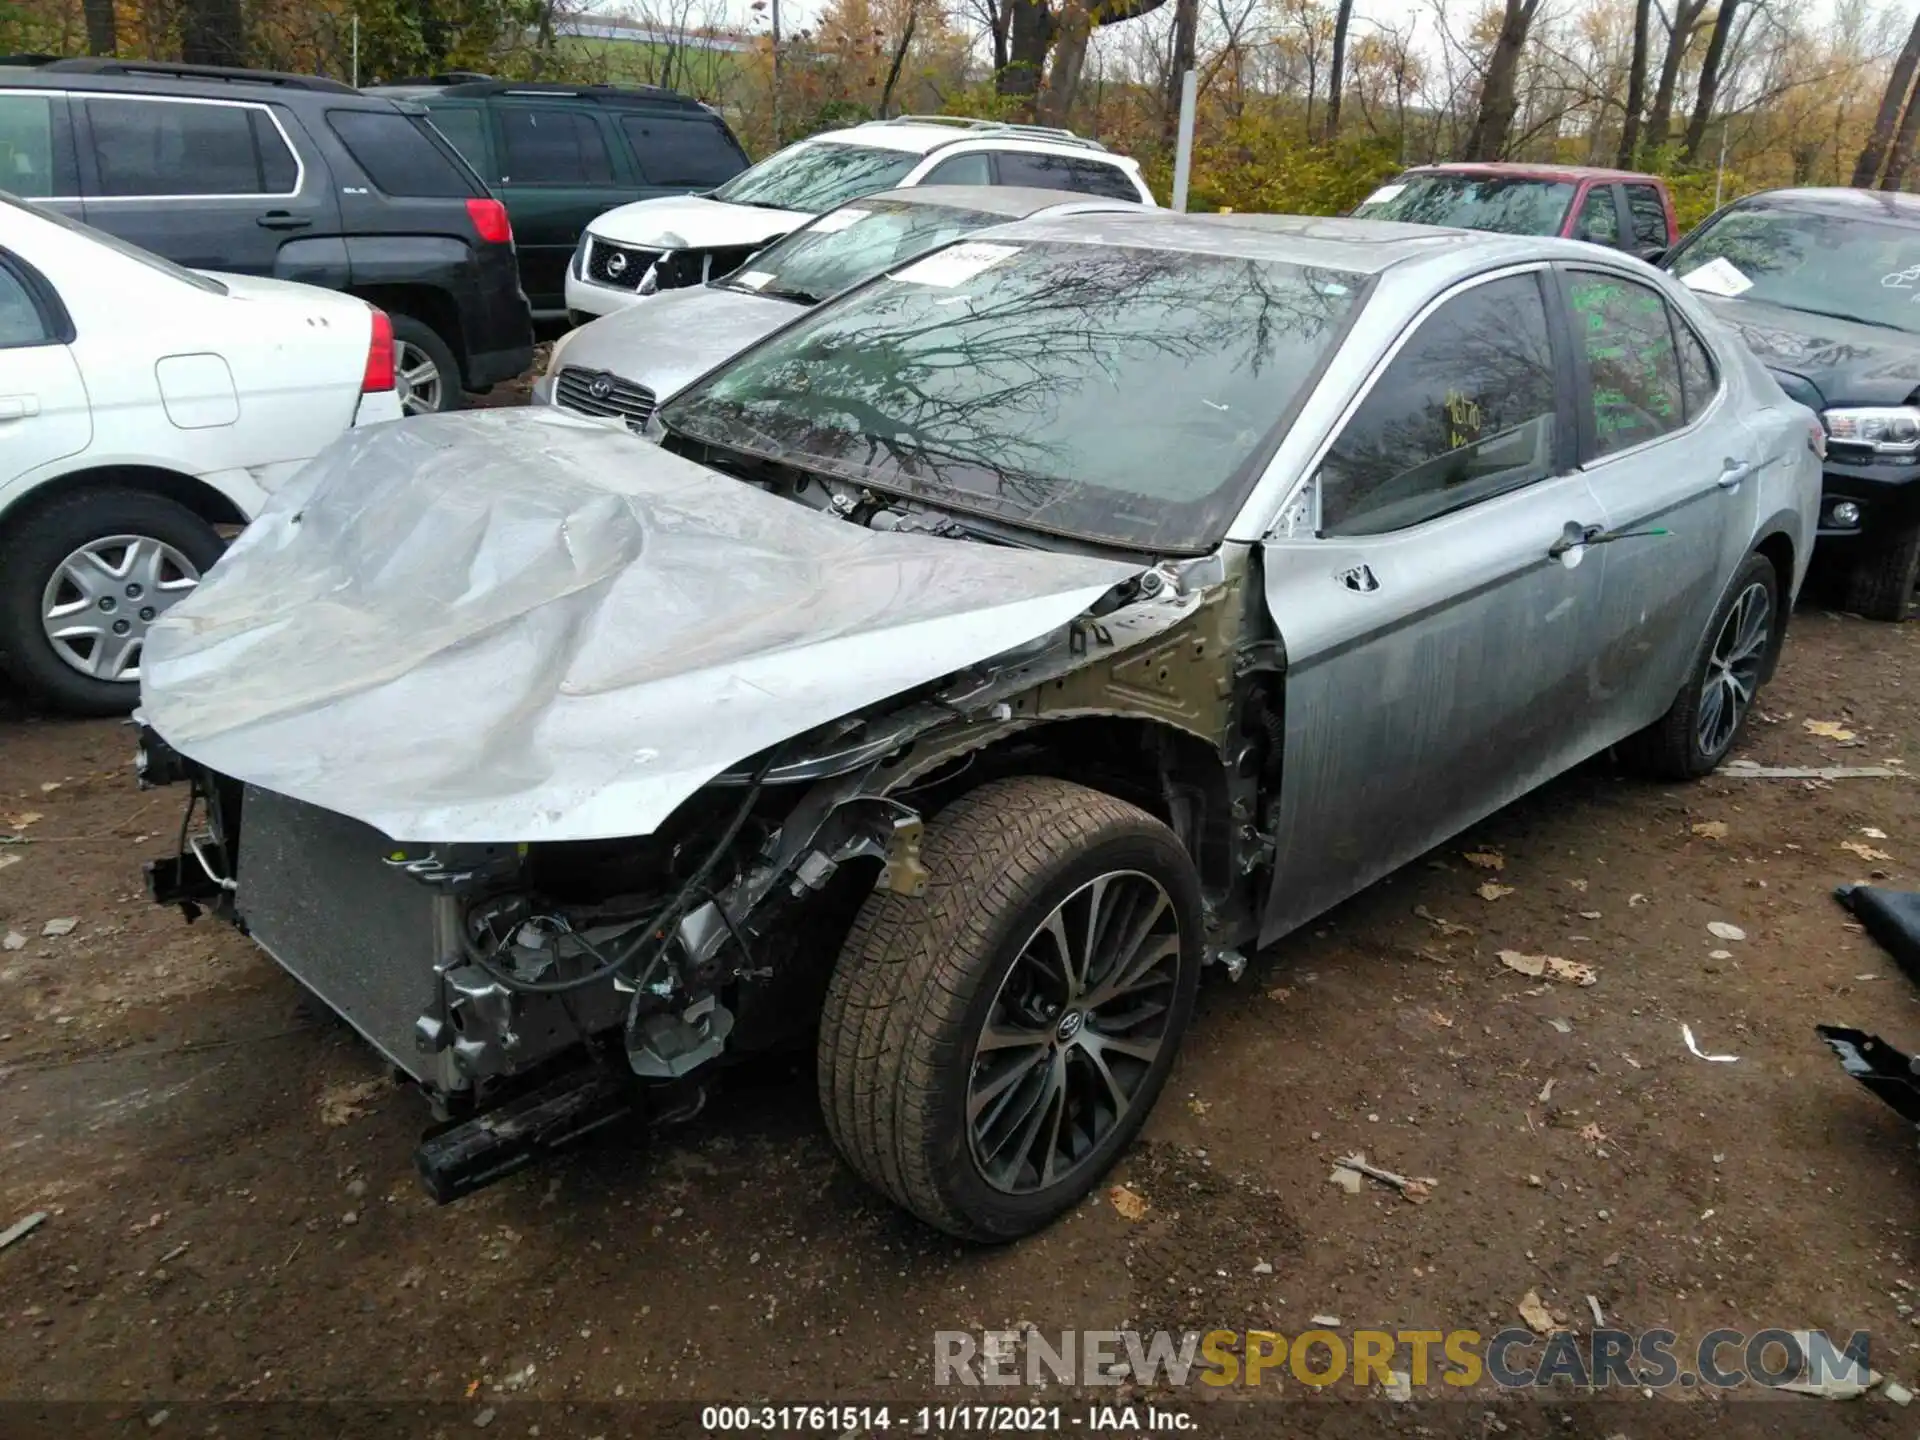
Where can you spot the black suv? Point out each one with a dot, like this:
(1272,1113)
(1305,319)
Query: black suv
(1824,286)
(289,176)
(561,154)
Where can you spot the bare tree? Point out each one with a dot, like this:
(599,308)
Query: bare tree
(899,56)
(1498,93)
(1709,79)
(1902,155)
(1680,31)
(1186,26)
(1873,154)
(1337,67)
(1636,86)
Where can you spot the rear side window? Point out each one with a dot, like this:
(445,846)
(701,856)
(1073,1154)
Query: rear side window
(465,128)
(552,147)
(399,155)
(682,150)
(1634,370)
(1065,172)
(1649,217)
(34,164)
(1599,221)
(974,169)
(21,322)
(1464,412)
(1698,380)
(187,147)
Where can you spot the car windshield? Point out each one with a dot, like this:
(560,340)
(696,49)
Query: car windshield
(1850,267)
(817,175)
(115,243)
(1473,202)
(852,244)
(1113,394)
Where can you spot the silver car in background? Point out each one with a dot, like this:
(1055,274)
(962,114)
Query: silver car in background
(622,365)
(967,666)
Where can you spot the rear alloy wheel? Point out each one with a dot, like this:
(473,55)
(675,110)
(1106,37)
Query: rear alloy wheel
(1706,718)
(425,374)
(989,1048)
(1879,582)
(82,583)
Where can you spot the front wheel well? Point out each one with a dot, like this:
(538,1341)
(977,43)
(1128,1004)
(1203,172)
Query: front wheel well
(196,495)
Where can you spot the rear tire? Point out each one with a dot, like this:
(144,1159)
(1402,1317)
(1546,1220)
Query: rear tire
(421,359)
(1879,584)
(939,1042)
(1710,712)
(33,551)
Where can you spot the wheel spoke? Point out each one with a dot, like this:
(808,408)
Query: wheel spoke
(1096,910)
(1052,1092)
(1099,1042)
(1097,1062)
(1009,1037)
(1150,955)
(999,1088)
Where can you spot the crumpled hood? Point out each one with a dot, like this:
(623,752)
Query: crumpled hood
(1845,362)
(676,336)
(521,626)
(693,222)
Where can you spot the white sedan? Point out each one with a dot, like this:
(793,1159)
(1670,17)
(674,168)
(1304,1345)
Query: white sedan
(142,407)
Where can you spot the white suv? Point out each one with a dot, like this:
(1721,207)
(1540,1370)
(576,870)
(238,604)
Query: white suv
(142,407)
(636,250)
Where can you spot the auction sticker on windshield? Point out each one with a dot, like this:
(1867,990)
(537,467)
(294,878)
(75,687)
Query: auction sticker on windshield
(1719,276)
(961,262)
(839,220)
(752,279)
(1383,194)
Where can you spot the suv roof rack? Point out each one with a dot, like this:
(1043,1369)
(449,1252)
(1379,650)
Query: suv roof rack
(476,85)
(996,127)
(28,59)
(449,77)
(99,65)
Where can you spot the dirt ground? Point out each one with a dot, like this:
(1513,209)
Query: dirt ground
(232,1214)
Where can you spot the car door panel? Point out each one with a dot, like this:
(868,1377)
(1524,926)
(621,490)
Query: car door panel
(1682,501)
(557,172)
(1447,542)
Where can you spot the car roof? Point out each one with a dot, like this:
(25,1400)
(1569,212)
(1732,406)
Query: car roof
(1837,200)
(479,87)
(1364,247)
(1519,170)
(1013,201)
(149,76)
(923,134)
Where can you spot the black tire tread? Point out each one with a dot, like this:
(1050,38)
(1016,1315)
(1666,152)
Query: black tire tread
(893,1013)
(1878,585)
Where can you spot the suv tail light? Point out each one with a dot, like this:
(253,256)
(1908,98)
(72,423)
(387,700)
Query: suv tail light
(379,375)
(490,221)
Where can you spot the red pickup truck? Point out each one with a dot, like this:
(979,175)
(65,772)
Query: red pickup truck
(1619,208)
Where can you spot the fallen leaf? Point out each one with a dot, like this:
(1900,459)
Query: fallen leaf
(1491,891)
(1637,899)
(1444,1021)
(1445,927)
(1579,885)
(1486,859)
(62,926)
(1199,1106)
(1589,914)
(26,818)
(1418,1191)
(1593,1134)
(1280,992)
(1129,1203)
(343,1104)
(1571,972)
(49,786)
(1711,829)
(1865,852)
(1827,729)
(1546,1090)
(1721,930)
(1347,1180)
(1873,832)
(1539,1319)
(13,940)
(1565,1027)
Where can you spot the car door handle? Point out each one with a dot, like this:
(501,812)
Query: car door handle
(283,220)
(1573,537)
(1733,474)
(18,407)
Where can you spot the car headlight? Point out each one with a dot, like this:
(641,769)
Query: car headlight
(1890,430)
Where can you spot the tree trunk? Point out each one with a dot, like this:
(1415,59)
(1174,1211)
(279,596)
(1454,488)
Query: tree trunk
(212,33)
(1186,26)
(1498,100)
(1337,70)
(1709,79)
(1030,31)
(101,39)
(1686,18)
(1636,86)
(1902,155)
(899,58)
(1867,168)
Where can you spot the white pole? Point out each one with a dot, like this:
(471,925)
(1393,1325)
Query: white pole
(1720,174)
(356,52)
(1183,156)
(776,73)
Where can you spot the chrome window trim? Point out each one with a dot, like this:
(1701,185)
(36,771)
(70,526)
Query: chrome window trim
(299,162)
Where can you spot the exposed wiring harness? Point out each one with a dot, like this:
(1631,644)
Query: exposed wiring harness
(661,928)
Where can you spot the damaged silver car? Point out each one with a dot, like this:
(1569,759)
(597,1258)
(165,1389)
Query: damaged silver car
(964,670)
